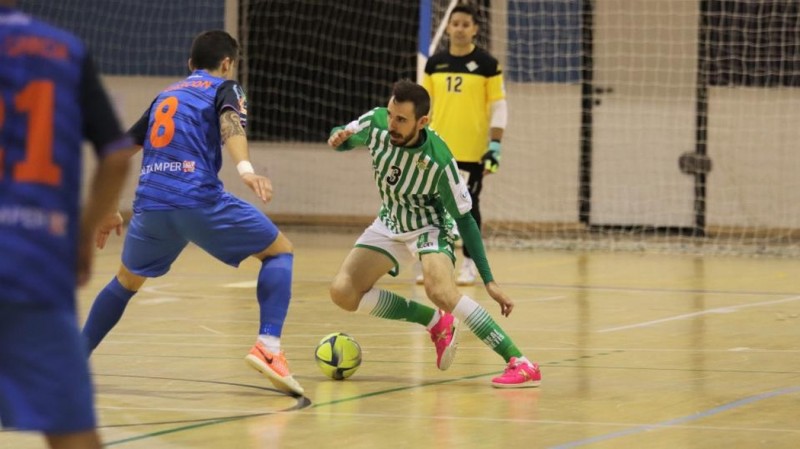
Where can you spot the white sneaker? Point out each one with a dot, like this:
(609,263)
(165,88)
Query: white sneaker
(468,273)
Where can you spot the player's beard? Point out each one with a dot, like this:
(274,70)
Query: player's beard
(400,140)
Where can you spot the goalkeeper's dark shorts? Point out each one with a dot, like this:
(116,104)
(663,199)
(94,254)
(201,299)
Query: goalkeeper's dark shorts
(472,172)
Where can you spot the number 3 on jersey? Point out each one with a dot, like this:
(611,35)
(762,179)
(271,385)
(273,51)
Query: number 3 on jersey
(163,128)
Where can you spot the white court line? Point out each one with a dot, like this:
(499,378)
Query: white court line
(245,284)
(178,409)
(727,309)
(518,300)
(158,300)
(213,331)
(294,335)
(460,418)
(464,348)
(550,421)
(549,298)
(154,288)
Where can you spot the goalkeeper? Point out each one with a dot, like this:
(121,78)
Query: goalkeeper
(469,110)
(419,185)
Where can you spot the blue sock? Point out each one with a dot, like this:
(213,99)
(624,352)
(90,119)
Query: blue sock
(274,290)
(106,311)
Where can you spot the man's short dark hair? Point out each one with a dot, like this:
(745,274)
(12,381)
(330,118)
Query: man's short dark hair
(407,90)
(210,48)
(464,9)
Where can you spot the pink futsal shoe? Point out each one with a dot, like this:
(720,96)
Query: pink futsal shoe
(444,335)
(274,367)
(519,374)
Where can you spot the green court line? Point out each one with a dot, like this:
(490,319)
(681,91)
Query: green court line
(302,404)
(306,403)
(410,387)
(168,431)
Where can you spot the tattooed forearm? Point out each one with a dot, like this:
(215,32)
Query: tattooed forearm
(230,126)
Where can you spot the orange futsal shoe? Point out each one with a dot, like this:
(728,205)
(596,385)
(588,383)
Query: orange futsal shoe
(273,367)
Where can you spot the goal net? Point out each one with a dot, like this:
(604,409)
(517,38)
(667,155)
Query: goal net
(646,125)
(632,124)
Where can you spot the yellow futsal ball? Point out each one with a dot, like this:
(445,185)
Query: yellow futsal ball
(338,355)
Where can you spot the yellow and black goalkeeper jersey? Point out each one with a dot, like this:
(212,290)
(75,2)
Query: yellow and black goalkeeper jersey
(462,89)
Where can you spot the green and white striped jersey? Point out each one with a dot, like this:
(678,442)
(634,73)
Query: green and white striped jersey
(418,185)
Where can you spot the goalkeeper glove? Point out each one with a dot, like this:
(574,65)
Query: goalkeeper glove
(491,159)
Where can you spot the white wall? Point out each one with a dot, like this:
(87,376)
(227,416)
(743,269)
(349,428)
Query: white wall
(753,138)
(538,179)
(754,143)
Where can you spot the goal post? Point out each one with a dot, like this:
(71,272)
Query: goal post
(423,37)
(427,43)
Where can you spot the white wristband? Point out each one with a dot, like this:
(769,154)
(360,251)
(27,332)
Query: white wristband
(244,168)
(352,126)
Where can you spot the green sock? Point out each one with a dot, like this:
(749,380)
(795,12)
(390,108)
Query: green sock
(485,328)
(392,306)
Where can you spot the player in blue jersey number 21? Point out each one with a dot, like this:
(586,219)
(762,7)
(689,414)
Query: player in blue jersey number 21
(51,99)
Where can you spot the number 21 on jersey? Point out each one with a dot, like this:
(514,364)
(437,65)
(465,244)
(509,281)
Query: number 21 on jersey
(37,101)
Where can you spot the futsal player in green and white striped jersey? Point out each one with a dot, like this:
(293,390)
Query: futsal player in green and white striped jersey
(419,185)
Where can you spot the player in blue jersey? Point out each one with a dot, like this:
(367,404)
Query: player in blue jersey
(180,199)
(51,100)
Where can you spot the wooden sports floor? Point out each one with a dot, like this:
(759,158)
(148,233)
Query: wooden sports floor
(637,351)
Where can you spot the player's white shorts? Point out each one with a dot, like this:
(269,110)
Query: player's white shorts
(406,248)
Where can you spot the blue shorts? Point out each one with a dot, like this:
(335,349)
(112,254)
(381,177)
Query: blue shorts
(231,231)
(45,384)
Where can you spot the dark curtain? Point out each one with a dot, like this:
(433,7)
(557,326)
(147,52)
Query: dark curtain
(312,65)
(752,43)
